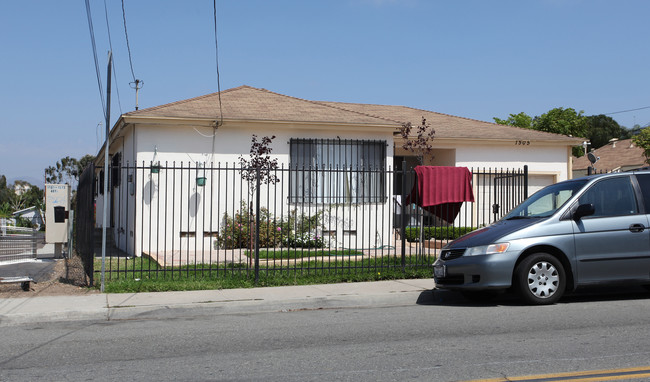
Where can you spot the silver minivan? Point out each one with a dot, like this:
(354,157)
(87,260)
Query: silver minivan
(587,231)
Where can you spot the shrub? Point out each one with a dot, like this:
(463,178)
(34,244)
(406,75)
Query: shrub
(23,222)
(302,231)
(304,240)
(236,230)
(297,231)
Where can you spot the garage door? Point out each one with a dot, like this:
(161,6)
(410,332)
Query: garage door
(537,182)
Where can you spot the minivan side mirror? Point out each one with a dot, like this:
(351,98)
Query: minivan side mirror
(584,210)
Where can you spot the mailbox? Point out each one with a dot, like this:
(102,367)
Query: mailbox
(59,214)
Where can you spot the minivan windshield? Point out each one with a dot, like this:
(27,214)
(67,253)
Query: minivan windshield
(546,201)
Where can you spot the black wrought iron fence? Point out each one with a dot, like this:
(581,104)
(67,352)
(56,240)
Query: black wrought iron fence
(85,220)
(177,220)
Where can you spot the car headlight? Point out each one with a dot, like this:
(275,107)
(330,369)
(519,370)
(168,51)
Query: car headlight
(487,249)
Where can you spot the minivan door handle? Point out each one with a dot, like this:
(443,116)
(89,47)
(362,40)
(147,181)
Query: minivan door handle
(637,228)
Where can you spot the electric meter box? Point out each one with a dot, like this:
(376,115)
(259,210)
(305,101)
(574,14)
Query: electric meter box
(57,209)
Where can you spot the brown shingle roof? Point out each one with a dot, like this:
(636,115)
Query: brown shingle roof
(449,126)
(614,155)
(248,103)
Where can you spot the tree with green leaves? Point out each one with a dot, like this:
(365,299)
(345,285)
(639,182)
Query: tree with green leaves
(562,121)
(635,130)
(67,170)
(602,128)
(642,139)
(559,121)
(5,192)
(5,198)
(519,120)
(33,197)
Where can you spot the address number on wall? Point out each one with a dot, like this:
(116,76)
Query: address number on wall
(522,143)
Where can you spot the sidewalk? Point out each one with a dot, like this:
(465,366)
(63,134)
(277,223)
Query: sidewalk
(160,305)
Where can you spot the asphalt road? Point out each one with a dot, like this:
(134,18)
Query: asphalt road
(440,338)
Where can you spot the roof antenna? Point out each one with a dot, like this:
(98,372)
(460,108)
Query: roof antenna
(137,85)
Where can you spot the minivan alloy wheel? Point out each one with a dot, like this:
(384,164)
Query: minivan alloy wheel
(540,279)
(543,279)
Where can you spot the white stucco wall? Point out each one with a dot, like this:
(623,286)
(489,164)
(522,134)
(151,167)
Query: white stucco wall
(199,211)
(169,211)
(547,164)
(539,158)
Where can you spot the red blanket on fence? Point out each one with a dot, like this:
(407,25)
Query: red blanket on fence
(442,190)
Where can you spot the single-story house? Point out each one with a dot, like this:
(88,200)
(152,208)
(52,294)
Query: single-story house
(33,214)
(335,149)
(616,156)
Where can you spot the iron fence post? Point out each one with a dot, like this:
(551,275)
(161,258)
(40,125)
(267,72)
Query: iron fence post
(34,254)
(257,224)
(525,182)
(403,210)
(70,235)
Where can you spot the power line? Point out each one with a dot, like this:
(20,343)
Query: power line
(128,47)
(92,40)
(627,111)
(216,43)
(136,84)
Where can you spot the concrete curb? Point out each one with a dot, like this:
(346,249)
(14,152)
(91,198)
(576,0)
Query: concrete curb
(169,305)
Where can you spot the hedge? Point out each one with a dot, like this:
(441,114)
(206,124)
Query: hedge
(437,233)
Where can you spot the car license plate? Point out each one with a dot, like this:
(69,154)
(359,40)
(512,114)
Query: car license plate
(440,271)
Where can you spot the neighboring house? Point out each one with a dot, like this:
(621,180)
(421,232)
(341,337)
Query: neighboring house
(617,155)
(340,153)
(32,214)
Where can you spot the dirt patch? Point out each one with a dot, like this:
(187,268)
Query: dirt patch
(66,278)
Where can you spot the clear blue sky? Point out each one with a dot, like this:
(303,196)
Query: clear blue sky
(477,59)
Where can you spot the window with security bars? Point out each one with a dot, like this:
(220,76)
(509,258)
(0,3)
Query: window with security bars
(331,171)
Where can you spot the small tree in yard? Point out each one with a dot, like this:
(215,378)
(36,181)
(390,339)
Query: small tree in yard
(259,163)
(642,140)
(259,159)
(421,143)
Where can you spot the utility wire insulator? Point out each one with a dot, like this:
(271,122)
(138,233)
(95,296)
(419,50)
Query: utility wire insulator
(137,85)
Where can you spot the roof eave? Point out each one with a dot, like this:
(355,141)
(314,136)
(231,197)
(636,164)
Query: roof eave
(199,121)
(465,140)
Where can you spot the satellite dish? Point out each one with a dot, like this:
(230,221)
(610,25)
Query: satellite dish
(592,158)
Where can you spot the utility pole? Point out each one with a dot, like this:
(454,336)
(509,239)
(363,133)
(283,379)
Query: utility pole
(137,85)
(106,149)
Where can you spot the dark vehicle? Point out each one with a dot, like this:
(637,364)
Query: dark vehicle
(586,231)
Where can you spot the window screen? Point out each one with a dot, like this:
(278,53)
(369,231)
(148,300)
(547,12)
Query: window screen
(333,171)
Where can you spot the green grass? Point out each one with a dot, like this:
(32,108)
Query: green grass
(143,275)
